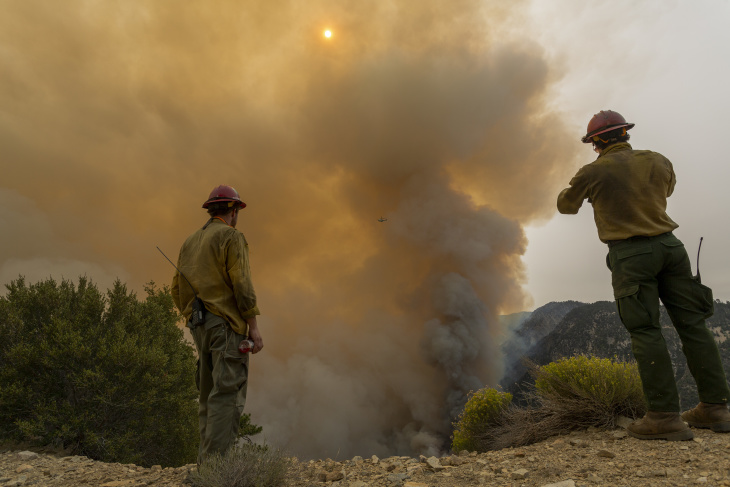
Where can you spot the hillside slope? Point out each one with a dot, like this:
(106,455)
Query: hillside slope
(585,458)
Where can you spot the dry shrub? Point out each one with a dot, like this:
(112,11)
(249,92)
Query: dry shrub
(243,466)
(568,395)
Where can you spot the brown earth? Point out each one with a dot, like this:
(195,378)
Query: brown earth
(586,458)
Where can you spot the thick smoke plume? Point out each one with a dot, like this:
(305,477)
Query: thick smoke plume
(118,117)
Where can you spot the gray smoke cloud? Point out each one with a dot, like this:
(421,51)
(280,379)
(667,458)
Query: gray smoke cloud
(119,117)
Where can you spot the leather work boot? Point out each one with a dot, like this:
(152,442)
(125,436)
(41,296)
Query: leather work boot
(660,426)
(713,416)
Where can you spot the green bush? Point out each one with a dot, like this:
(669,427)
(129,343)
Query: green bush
(243,466)
(570,394)
(612,386)
(246,429)
(481,411)
(106,376)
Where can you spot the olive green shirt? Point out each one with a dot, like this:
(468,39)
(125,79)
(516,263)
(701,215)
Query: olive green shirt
(628,190)
(215,260)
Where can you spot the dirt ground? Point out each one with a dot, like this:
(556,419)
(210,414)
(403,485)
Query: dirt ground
(587,458)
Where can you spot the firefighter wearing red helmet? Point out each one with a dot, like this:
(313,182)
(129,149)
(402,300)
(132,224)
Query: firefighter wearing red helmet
(224,195)
(605,122)
(213,267)
(628,190)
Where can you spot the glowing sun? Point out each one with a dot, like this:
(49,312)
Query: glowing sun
(328,33)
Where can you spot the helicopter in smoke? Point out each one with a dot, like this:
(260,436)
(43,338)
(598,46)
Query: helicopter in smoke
(381,219)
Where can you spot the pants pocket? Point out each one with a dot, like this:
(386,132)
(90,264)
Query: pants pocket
(632,312)
(230,369)
(705,300)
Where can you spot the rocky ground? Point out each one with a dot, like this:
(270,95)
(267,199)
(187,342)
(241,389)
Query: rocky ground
(587,458)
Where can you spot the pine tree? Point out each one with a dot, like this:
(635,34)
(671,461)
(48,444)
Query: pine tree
(106,376)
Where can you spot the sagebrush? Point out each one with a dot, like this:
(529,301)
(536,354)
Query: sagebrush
(570,394)
(614,388)
(102,375)
(243,466)
(481,411)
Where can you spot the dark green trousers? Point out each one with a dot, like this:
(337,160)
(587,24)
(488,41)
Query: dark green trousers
(222,379)
(645,270)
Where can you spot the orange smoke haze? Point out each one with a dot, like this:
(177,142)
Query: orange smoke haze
(118,117)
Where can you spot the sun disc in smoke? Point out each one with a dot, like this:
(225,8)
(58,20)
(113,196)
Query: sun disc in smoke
(328,33)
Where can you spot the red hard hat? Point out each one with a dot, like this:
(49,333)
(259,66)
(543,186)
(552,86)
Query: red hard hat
(605,121)
(223,194)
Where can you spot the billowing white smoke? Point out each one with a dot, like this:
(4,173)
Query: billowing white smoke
(391,374)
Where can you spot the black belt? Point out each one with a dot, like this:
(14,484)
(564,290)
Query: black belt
(637,238)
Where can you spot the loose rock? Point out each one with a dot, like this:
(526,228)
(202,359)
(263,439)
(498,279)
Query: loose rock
(564,483)
(519,474)
(434,463)
(397,477)
(334,476)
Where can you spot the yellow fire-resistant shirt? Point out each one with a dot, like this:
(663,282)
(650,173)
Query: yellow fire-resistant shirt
(215,261)
(628,190)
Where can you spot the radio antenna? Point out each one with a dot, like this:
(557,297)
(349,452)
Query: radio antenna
(698,260)
(198,316)
(186,279)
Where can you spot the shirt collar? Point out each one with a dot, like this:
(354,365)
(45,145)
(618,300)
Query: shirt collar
(219,219)
(617,147)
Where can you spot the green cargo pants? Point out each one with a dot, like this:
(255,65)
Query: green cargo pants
(643,271)
(222,379)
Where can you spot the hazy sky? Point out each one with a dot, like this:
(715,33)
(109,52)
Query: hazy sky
(458,121)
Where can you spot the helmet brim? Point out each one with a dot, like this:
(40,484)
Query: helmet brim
(587,137)
(236,203)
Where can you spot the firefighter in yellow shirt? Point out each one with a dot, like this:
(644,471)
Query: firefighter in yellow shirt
(213,266)
(628,190)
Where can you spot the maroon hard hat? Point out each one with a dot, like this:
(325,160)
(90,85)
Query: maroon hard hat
(224,194)
(605,121)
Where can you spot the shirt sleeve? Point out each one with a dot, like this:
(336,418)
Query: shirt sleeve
(239,272)
(571,199)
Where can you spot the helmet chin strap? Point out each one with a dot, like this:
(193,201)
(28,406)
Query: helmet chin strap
(597,138)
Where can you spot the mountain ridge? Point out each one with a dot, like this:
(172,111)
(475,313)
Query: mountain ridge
(561,330)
